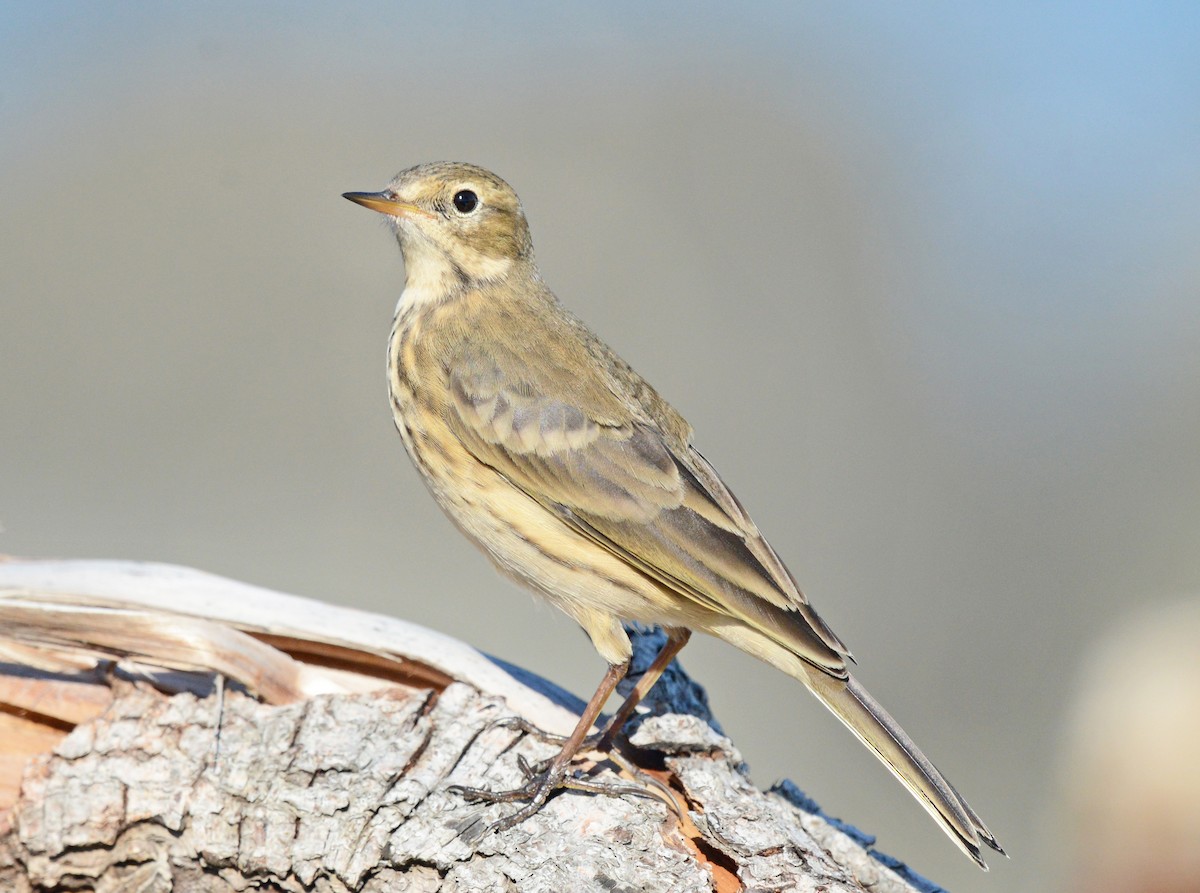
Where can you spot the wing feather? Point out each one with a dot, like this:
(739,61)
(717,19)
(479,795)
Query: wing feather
(624,483)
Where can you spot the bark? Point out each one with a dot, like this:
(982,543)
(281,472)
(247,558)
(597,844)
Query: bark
(322,764)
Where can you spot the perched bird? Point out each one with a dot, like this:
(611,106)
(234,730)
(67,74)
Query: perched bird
(579,481)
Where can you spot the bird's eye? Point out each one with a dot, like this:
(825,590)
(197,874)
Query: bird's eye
(465,201)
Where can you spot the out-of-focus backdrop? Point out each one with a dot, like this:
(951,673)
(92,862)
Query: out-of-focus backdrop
(924,278)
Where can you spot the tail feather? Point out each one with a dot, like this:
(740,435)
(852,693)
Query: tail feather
(874,726)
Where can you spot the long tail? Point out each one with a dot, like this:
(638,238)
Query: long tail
(874,727)
(865,717)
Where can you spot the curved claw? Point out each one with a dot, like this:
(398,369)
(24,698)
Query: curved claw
(532,772)
(649,781)
(606,788)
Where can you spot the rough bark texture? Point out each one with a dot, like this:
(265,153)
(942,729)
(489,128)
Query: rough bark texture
(343,793)
(348,792)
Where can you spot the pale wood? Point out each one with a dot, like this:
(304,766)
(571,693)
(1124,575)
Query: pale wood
(310,771)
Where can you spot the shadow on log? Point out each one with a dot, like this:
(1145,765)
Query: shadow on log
(168,730)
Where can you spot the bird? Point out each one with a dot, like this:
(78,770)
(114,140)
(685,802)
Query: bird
(579,481)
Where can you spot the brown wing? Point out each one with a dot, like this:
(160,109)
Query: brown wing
(611,473)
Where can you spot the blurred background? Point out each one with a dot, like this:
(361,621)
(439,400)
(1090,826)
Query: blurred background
(923,277)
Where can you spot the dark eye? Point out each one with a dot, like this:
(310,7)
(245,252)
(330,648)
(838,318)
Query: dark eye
(465,201)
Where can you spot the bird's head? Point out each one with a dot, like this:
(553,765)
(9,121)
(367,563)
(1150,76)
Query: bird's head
(458,225)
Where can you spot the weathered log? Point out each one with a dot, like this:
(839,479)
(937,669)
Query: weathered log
(320,756)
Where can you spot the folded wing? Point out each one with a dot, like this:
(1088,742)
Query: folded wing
(610,472)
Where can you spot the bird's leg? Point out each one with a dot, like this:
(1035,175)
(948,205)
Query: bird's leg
(542,780)
(541,785)
(603,740)
(677,637)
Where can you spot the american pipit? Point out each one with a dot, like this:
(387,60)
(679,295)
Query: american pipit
(578,480)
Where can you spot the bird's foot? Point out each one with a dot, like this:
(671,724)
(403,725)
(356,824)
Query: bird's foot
(598,742)
(543,780)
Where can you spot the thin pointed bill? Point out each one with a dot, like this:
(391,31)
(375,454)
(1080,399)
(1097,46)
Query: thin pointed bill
(384,203)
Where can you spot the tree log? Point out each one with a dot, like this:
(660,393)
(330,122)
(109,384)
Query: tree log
(319,755)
